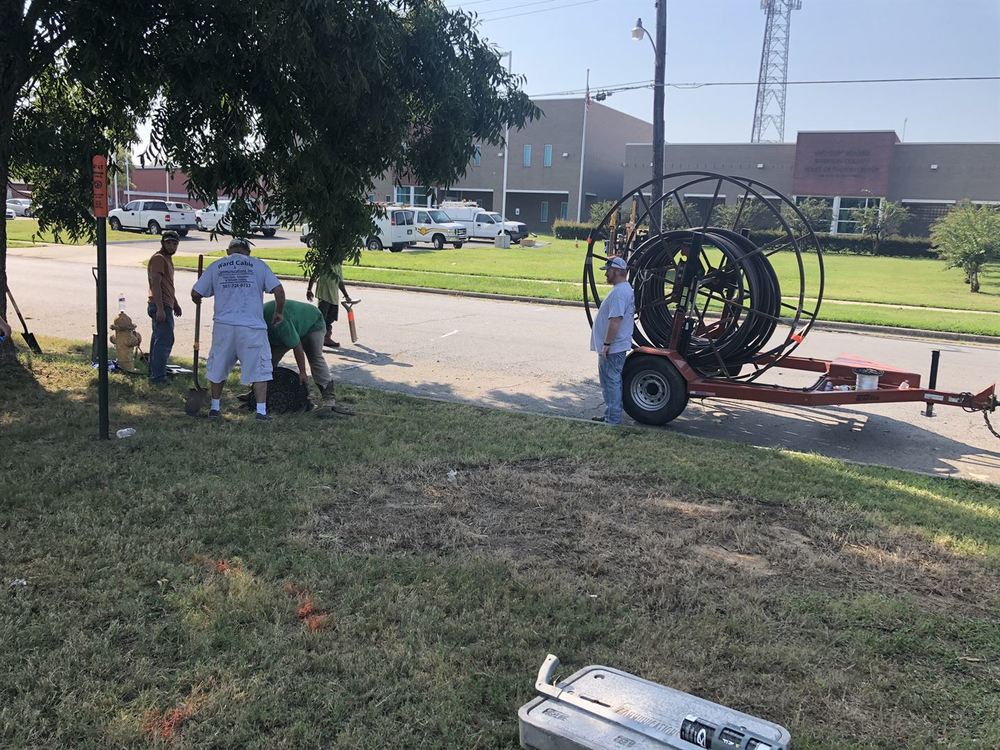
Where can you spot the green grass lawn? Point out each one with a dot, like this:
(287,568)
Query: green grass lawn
(321,583)
(855,278)
(24,232)
(545,277)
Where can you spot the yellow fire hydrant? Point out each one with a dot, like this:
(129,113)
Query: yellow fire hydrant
(126,340)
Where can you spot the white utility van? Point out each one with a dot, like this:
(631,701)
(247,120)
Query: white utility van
(481,224)
(396,230)
(437,227)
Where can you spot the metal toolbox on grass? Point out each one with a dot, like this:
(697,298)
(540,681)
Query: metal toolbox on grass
(600,708)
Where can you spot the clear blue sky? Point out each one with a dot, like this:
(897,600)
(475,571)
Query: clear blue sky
(720,40)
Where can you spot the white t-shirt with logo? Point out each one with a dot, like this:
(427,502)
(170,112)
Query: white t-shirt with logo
(238,283)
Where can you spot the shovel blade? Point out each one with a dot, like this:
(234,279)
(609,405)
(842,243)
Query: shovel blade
(195,401)
(29,339)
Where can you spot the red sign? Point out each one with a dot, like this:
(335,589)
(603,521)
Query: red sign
(852,164)
(100,171)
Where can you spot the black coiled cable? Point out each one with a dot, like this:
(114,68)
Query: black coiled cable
(736,305)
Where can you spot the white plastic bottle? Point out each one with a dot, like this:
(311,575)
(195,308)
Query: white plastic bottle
(121,302)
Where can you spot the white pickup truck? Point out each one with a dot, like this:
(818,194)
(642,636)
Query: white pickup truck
(210,216)
(481,224)
(152,216)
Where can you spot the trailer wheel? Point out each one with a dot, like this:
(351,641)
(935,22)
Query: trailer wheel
(270,232)
(374,243)
(457,245)
(182,233)
(397,247)
(438,241)
(654,392)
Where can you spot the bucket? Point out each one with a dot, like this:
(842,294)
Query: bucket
(866,378)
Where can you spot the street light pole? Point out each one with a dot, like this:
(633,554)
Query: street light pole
(506,144)
(659,125)
(659,77)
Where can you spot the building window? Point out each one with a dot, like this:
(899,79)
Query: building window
(543,212)
(564,210)
(412,195)
(477,157)
(547,155)
(527,155)
(845,211)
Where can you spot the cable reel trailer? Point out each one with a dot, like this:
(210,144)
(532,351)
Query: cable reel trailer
(712,318)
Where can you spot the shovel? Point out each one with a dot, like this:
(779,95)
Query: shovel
(28,336)
(197,396)
(349,306)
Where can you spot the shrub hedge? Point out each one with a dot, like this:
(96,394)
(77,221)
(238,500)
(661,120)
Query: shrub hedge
(571,230)
(849,244)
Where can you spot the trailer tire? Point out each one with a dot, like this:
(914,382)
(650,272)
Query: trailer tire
(397,247)
(653,391)
(438,241)
(270,232)
(374,243)
(182,233)
(457,245)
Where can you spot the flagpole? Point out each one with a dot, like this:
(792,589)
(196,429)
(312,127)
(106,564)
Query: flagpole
(583,150)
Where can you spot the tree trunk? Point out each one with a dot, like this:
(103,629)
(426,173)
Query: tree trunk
(974,281)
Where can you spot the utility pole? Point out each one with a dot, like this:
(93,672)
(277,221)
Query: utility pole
(506,145)
(583,151)
(659,126)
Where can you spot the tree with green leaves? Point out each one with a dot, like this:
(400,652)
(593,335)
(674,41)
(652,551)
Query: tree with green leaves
(599,210)
(880,220)
(968,237)
(815,215)
(290,107)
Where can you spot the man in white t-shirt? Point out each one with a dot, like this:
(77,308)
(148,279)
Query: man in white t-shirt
(238,283)
(611,337)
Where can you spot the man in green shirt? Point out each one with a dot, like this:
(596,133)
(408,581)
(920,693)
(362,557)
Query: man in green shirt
(328,288)
(301,331)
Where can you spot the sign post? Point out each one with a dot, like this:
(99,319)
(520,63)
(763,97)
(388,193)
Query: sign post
(99,166)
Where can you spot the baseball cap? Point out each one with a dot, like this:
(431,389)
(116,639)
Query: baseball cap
(238,242)
(169,234)
(618,263)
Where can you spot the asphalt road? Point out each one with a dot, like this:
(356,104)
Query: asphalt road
(535,358)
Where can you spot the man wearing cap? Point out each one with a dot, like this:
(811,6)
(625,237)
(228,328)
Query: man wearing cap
(611,337)
(163,306)
(239,333)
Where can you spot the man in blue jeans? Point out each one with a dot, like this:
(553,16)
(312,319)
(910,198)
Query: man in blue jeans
(611,337)
(163,306)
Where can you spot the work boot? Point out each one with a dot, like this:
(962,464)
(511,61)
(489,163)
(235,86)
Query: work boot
(330,343)
(327,397)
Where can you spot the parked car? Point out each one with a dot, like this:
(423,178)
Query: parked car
(20,206)
(481,224)
(210,217)
(152,216)
(10,213)
(396,230)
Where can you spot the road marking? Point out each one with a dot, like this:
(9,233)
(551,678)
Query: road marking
(449,334)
